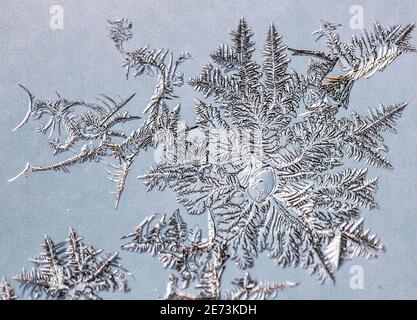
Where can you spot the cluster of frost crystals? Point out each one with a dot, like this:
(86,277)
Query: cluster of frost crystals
(266,159)
(194,259)
(72,270)
(269,161)
(86,131)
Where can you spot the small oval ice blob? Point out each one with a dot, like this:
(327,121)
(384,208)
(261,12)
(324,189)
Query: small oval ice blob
(261,185)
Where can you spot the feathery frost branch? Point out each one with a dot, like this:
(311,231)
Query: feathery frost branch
(72,270)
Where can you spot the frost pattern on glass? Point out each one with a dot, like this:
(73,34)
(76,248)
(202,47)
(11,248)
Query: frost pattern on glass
(72,270)
(194,259)
(288,191)
(88,130)
(266,159)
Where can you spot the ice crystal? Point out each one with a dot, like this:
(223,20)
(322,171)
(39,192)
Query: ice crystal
(6,291)
(194,260)
(248,289)
(72,270)
(275,176)
(90,129)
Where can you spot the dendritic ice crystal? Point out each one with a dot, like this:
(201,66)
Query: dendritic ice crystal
(90,129)
(276,178)
(267,159)
(6,291)
(72,270)
(194,259)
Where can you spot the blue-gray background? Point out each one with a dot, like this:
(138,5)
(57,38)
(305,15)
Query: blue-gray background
(81,62)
